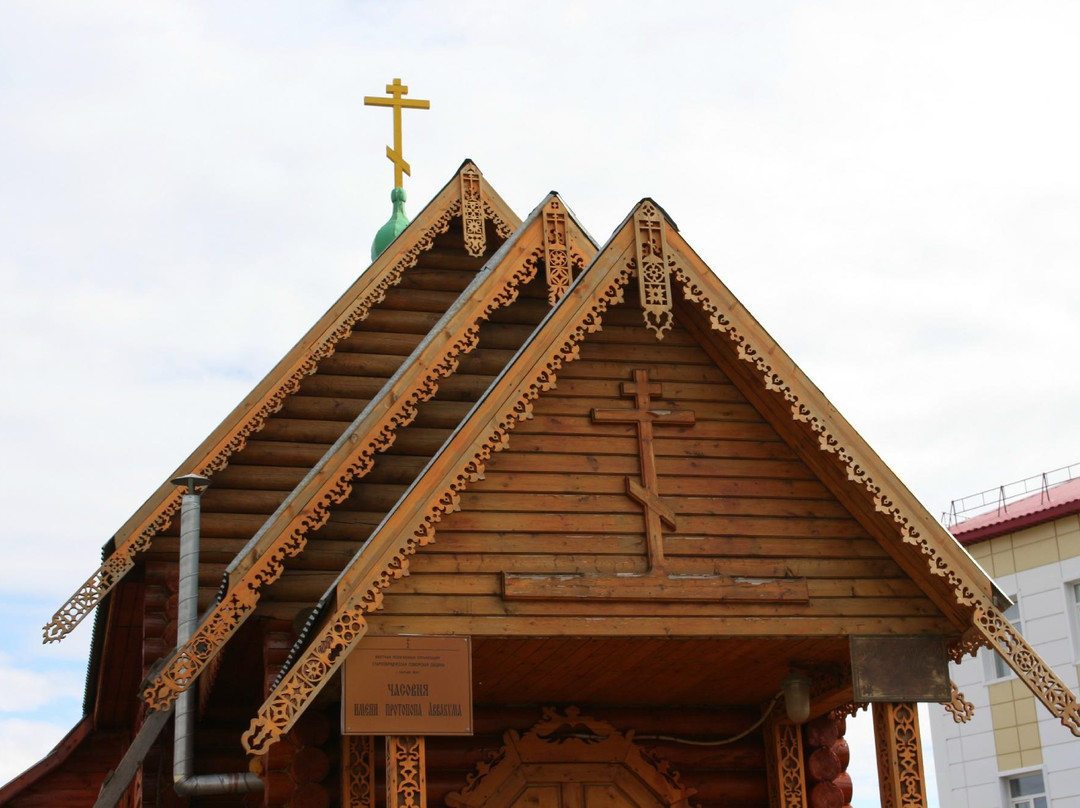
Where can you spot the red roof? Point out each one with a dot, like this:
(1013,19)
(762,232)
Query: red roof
(1058,500)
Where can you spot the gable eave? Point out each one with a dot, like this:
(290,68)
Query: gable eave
(330,481)
(230,436)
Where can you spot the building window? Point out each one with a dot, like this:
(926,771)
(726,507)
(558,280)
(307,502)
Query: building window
(999,669)
(1027,791)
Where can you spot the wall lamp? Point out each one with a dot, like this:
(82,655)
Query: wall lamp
(796,688)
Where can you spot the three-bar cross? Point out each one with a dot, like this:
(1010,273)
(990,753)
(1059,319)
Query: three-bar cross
(647,492)
(397,90)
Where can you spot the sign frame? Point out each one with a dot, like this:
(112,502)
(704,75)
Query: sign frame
(408,684)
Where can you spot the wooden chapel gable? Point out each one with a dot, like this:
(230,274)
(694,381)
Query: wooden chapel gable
(407,420)
(648,482)
(342,361)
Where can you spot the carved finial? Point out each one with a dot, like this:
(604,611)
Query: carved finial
(654,280)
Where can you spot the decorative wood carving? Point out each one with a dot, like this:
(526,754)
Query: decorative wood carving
(654,280)
(995,630)
(647,493)
(1022,658)
(357,771)
(235,438)
(472,211)
(406,776)
(958,707)
(899,756)
(361,591)
(556,251)
(243,596)
(569,740)
(787,777)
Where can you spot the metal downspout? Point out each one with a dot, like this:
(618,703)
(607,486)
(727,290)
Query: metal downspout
(186,783)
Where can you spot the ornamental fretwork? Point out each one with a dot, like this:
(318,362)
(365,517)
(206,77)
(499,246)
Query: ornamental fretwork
(324,655)
(357,772)
(900,766)
(472,212)
(1021,657)
(406,779)
(787,776)
(958,707)
(243,596)
(556,251)
(654,281)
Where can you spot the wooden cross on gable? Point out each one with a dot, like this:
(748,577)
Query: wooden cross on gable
(661,581)
(647,492)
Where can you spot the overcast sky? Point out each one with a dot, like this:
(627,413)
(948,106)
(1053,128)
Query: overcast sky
(892,189)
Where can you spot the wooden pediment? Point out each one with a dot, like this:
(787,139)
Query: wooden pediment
(543,497)
(564,748)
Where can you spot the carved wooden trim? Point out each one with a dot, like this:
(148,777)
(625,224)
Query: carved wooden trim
(122,558)
(138,538)
(472,211)
(570,738)
(406,775)
(784,760)
(1022,658)
(357,771)
(361,591)
(958,707)
(654,278)
(900,766)
(556,251)
(356,461)
(504,228)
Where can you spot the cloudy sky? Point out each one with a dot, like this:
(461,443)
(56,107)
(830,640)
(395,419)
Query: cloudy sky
(893,189)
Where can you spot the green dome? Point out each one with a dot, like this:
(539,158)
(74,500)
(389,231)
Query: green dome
(390,231)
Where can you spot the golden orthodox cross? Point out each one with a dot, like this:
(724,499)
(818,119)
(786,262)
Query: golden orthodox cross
(647,492)
(397,91)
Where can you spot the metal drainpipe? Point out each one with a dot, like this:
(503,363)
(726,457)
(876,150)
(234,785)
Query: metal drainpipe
(186,783)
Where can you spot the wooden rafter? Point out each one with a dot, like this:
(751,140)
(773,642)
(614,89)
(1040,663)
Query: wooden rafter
(286,534)
(214,454)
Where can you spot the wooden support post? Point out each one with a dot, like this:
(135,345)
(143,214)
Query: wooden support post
(899,755)
(357,771)
(406,776)
(787,777)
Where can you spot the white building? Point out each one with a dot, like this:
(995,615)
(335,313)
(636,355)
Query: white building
(1010,753)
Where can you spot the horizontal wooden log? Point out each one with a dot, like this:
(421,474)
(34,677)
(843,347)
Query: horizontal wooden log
(430,276)
(617,502)
(419,583)
(455,542)
(660,372)
(737,626)
(628,464)
(628,523)
(361,364)
(226,500)
(823,764)
(651,589)
(387,343)
(684,392)
(610,601)
(407,322)
(427,300)
(635,564)
(328,384)
(572,483)
(729,427)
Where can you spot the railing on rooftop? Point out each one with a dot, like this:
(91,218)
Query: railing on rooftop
(1001,497)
